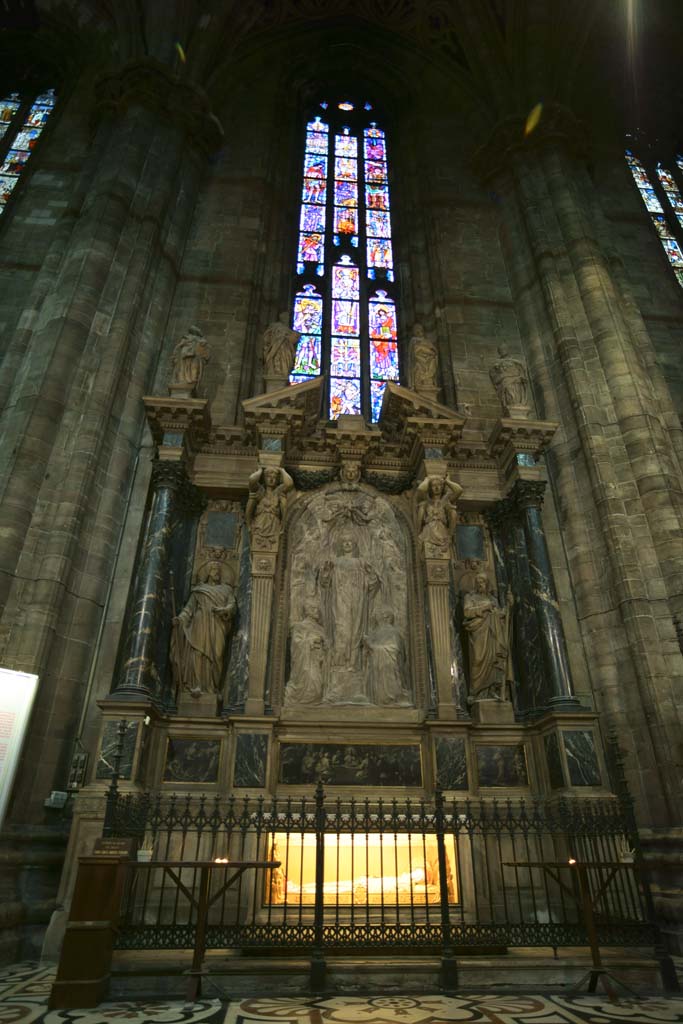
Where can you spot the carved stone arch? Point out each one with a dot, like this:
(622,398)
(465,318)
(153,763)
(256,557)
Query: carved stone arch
(390,529)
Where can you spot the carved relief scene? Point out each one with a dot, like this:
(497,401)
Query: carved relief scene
(348,602)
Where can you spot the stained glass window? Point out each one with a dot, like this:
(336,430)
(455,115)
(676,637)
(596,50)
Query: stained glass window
(653,205)
(345,307)
(22,125)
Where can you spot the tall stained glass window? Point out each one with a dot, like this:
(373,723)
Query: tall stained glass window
(344,306)
(661,218)
(21,126)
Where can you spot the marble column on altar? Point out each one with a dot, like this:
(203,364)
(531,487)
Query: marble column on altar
(527,497)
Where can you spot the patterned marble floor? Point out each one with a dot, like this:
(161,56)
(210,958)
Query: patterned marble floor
(24,990)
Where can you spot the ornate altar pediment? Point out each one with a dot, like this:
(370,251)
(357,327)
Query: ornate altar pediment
(289,411)
(408,416)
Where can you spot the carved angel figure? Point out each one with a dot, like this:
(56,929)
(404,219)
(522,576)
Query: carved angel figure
(201,632)
(436,514)
(509,379)
(424,359)
(488,628)
(188,359)
(279,347)
(268,489)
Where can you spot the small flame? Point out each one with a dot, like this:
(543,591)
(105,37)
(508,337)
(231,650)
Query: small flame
(181,53)
(533,119)
(221,860)
(571,860)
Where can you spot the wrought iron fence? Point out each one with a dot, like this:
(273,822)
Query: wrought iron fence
(356,874)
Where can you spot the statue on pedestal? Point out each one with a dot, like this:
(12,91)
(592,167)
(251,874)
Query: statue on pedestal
(187,362)
(488,627)
(509,378)
(424,360)
(279,348)
(201,632)
(436,515)
(265,513)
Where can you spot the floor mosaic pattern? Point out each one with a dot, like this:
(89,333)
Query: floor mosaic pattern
(24,990)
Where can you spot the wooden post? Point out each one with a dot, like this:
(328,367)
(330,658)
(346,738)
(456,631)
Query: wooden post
(85,962)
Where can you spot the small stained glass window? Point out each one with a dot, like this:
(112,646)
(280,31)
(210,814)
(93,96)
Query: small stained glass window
(23,124)
(645,186)
(346,309)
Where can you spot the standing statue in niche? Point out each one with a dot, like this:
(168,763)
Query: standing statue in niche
(436,515)
(187,362)
(386,655)
(509,378)
(279,348)
(308,646)
(201,632)
(265,513)
(488,628)
(348,584)
(424,361)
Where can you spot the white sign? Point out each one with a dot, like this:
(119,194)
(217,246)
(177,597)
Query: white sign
(17,692)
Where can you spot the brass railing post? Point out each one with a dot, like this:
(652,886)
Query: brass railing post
(318,957)
(449,966)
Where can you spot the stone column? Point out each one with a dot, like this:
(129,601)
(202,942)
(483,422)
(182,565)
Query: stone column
(438,571)
(263,565)
(528,497)
(138,676)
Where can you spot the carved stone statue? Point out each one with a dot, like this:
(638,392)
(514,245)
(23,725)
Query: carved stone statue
(266,506)
(279,348)
(349,474)
(386,656)
(424,359)
(201,632)
(488,629)
(308,646)
(187,362)
(436,515)
(348,584)
(509,378)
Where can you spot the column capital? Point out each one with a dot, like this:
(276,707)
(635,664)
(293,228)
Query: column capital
(557,126)
(168,474)
(150,84)
(528,494)
(500,514)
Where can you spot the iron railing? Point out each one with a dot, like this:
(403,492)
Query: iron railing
(366,874)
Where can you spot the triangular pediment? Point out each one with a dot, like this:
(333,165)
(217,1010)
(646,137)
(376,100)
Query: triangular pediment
(292,405)
(405,413)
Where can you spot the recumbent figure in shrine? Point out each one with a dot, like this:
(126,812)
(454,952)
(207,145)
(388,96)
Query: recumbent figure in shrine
(346,642)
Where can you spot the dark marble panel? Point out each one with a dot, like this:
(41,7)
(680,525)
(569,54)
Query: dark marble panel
(344,764)
(251,757)
(552,756)
(172,440)
(272,444)
(451,762)
(470,541)
(109,746)
(502,765)
(192,760)
(582,760)
(221,530)
(238,664)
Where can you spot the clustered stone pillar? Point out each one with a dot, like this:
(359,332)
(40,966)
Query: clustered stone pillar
(438,572)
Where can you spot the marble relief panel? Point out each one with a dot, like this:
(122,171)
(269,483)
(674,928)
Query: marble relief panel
(348,764)
(451,762)
(503,765)
(554,760)
(251,758)
(582,759)
(109,747)
(192,760)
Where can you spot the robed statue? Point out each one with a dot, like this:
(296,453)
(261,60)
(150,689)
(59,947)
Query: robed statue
(188,359)
(201,632)
(386,656)
(347,583)
(307,655)
(509,378)
(424,360)
(488,628)
(265,513)
(436,516)
(279,348)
